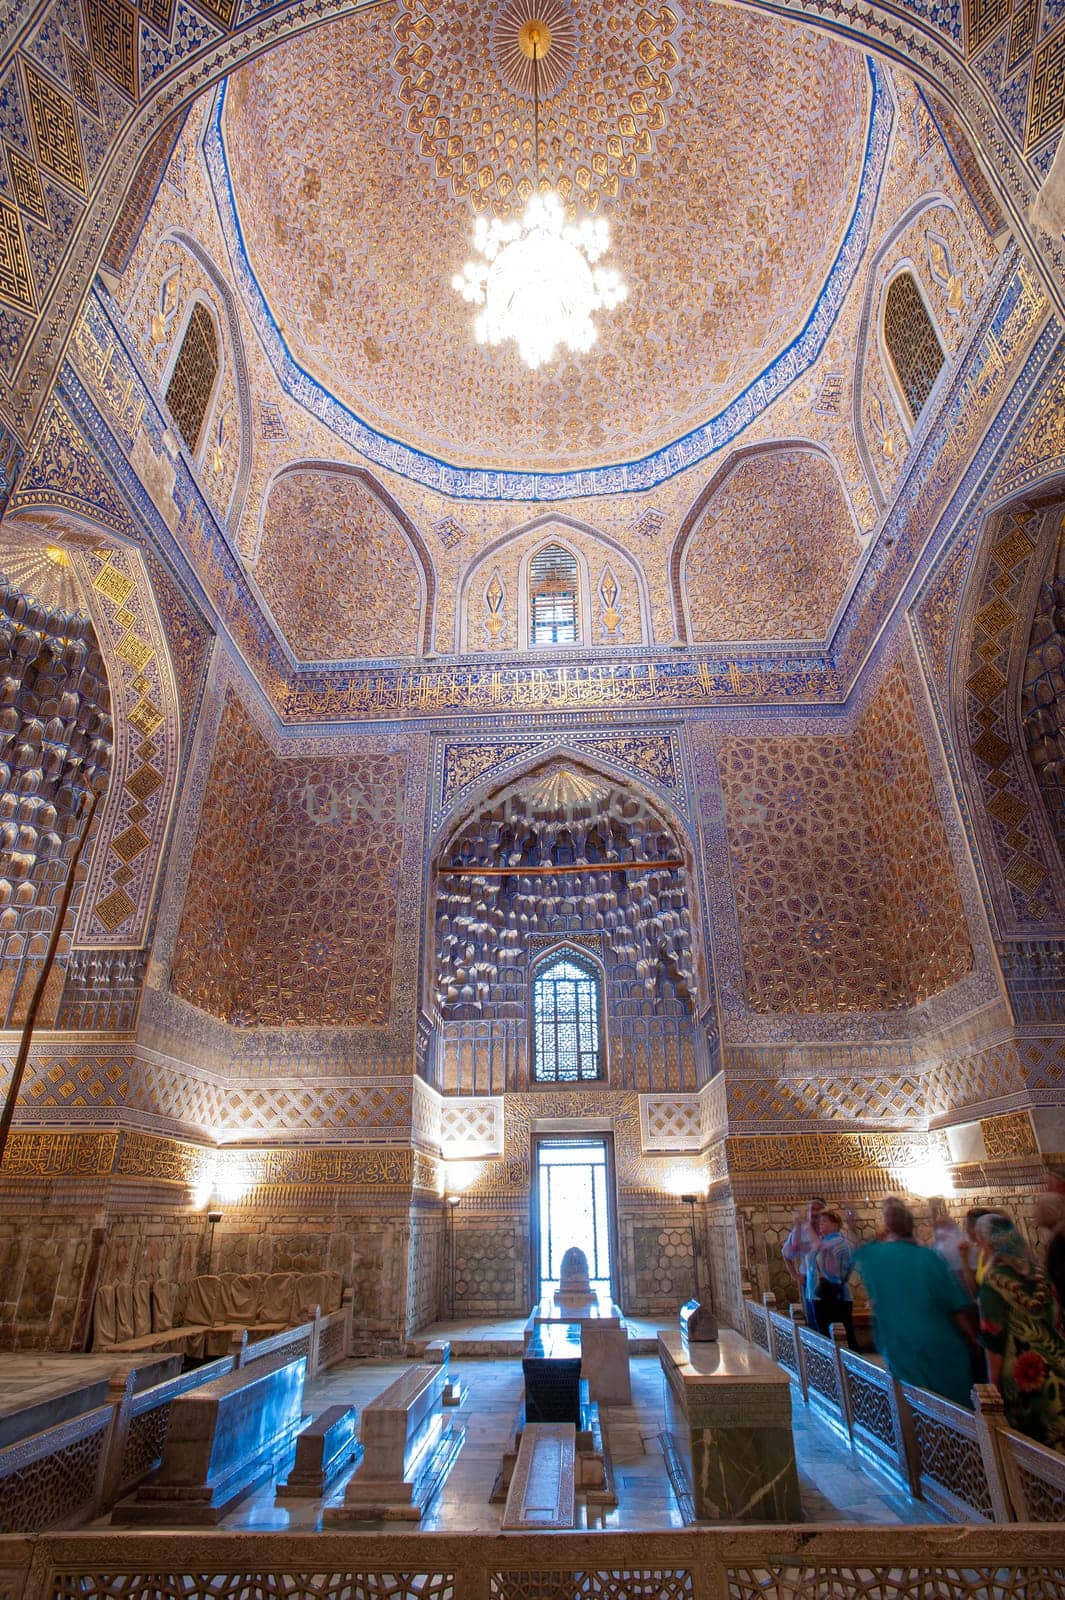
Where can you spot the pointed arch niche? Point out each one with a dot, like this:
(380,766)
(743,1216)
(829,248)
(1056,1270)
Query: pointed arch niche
(341,567)
(564,857)
(500,592)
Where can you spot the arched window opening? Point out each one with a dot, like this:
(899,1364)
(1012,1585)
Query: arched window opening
(192,381)
(912,342)
(566,1020)
(553,596)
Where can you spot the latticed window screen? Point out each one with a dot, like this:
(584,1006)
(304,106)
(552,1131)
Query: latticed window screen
(553,596)
(911,341)
(565,1021)
(191,383)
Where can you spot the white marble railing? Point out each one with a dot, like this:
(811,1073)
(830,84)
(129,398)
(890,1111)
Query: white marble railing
(799,1563)
(968,1464)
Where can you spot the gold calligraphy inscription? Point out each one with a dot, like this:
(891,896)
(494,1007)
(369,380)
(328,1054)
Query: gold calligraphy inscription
(1010,1135)
(143,1155)
(386,1168)
(832,1152)
(50,1155)
(433,690)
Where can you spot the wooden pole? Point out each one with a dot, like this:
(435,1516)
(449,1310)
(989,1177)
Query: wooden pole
(37,996)
(554,872)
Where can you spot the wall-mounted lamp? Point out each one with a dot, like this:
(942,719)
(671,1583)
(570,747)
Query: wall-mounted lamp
(206,1251)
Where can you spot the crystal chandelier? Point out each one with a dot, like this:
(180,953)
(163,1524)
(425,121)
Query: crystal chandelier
(538,280)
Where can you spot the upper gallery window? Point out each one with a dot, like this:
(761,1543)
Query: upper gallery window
(566,1012)
(192,381)
(553,596)
(912,342)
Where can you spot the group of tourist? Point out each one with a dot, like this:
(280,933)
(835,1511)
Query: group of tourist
(976,1306)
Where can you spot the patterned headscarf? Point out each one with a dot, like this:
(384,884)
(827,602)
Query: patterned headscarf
(1006,1243)
(1013,1271)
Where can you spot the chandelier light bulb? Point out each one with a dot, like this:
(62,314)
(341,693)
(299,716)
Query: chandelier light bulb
(538,281)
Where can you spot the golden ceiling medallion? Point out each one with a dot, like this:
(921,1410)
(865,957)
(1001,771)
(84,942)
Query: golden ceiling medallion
(534,39)
(547,29)
(606,77)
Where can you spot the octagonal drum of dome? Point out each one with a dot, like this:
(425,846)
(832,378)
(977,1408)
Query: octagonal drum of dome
(725,149)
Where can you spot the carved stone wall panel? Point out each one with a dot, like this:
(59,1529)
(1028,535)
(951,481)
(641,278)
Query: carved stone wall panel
(470,1128)
(671,1123)
(320,946)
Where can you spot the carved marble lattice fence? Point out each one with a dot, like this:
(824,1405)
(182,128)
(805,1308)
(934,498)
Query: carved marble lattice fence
(792,1563)
(967,1464)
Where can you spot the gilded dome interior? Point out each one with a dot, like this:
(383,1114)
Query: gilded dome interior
(730,217)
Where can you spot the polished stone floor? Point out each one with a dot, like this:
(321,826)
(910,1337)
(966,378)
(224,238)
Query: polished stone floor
(834,1488)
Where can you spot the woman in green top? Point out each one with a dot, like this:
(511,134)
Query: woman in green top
(918,1308)
(1025,1352)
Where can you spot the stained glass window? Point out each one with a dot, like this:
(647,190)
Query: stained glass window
(188,393)
(912,342)
(565,1020)
(553,596)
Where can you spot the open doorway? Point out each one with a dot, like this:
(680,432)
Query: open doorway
(573,1204)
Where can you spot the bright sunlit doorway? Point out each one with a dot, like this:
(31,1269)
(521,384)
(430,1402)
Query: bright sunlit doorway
(573,1204)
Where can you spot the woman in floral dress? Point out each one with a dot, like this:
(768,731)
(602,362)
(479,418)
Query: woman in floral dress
(1025,1352)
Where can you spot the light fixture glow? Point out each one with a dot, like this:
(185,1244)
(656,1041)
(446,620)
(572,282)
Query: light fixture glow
(539,281)
(929,1178)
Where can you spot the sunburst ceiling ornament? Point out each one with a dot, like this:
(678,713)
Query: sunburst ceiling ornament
(548,26)
(565,790)
(538,280)
(43,571)
(607,78)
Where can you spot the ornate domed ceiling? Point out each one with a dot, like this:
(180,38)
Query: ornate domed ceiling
(725,149)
